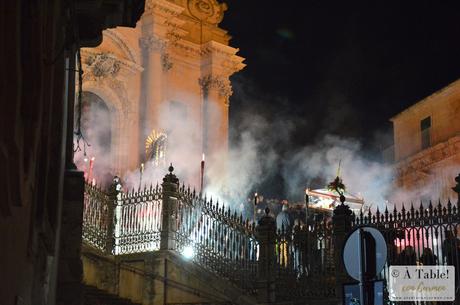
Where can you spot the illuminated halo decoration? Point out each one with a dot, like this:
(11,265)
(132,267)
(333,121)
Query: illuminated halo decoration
(155,147)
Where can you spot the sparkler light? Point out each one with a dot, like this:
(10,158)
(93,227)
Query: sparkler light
(140,176)
(85,169)
(202,174)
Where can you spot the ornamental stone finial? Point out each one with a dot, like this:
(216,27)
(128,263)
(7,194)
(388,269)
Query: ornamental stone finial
(457,187)
(171,178)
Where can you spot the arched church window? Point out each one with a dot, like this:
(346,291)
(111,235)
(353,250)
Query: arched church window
(96,128)
(96,123)
(155,147)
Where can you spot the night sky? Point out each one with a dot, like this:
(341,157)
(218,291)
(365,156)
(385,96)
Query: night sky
(341,67)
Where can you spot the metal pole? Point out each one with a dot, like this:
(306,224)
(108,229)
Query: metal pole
(255,207)
(307,200)
(361,267)
(307,250)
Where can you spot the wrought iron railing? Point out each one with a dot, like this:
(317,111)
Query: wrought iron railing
(137,220)
(96,217)
(125,223)
(289,263)
(423,235)
(305,261)
(221,240)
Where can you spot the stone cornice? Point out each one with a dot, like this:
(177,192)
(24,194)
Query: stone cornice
(440,94)
(162,7)
(224,55)
(429,156)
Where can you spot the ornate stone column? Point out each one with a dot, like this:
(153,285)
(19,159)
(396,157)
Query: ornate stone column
(153,49)
(216,92)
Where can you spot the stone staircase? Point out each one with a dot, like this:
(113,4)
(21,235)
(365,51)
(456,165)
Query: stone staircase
(95,296)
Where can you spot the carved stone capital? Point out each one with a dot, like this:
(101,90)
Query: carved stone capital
(152,43)
(155,44)
(219,83)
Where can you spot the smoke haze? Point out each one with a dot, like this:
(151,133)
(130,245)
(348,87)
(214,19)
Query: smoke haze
(262,159)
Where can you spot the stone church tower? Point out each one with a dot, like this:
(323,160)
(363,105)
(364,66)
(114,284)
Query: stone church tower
(160,92)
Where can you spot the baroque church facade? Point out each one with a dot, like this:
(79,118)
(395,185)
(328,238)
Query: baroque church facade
(159,92)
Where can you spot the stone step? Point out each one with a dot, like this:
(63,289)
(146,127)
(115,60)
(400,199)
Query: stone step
(95,296)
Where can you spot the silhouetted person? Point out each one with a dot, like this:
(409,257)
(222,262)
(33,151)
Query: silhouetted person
(283,221)
(428,257)
(392,248)
(300,247)
(283,225)
(451,253)
(407,257)
(450,248)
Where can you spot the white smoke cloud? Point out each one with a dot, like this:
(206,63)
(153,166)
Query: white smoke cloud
(92,151)
(319,164)
(253,157)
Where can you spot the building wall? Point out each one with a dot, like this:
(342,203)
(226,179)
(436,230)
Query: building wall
(444,109)
(38,39)
(429,170)
(160,277)
(176,55)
